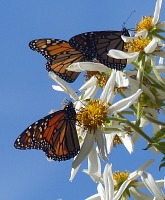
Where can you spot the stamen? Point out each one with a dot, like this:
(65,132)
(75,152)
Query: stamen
(93,115)
(101,77)
(146,23)
(137,45)
(120,177)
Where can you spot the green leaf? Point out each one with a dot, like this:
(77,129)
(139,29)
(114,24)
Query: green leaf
(159,135)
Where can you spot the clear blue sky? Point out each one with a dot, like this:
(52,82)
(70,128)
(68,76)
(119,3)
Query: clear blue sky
(26,94)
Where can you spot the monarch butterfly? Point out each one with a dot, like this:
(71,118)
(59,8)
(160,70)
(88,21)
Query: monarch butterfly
(59,55)
(99,43)
(55,134)
(88,46)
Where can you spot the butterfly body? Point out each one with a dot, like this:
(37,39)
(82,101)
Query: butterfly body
(55,134)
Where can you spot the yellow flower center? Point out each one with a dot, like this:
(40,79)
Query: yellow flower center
(120,177)
(93,115)
(101,77)
(146,23)
(137,45)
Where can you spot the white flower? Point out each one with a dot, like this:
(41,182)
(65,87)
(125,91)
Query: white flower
(150,48)
(152,45)
(106,187)
(106,96)
(98,136)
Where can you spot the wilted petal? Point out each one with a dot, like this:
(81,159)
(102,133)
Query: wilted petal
(124,103)
(157,12)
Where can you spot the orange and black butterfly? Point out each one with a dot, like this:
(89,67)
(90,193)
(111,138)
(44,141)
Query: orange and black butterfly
(55,134)
(98,43)
(90,46)
(59,55)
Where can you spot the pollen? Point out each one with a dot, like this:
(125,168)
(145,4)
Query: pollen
(120,177)
(137,45)
(93,115)
(101,77)
(146,23)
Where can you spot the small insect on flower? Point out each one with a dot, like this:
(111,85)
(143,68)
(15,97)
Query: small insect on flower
(55,134)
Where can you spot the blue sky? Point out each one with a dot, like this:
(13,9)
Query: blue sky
(27,95)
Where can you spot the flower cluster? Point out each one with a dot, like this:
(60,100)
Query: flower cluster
(103,118)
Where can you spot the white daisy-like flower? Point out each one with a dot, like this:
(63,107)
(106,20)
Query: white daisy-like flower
(111,187)
(140,42)
(92,114)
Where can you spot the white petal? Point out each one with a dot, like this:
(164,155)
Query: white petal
(109,87)
(84,151)
(157,12)
(91,82)
(121,79)
(101,143)
(124,103)
(128,143)
(90,92)
(58,88)
(151,46)
(88,66)
(143,167)
(94,166)
(73,173)
(138,195)
(109,140)
(151,185)
(143,33)
(101,191)
(64,86)
(122,55)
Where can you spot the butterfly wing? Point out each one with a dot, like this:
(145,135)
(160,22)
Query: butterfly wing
(55,134)
(100,42)
(60,55)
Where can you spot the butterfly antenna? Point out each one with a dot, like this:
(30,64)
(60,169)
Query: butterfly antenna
(124,23)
